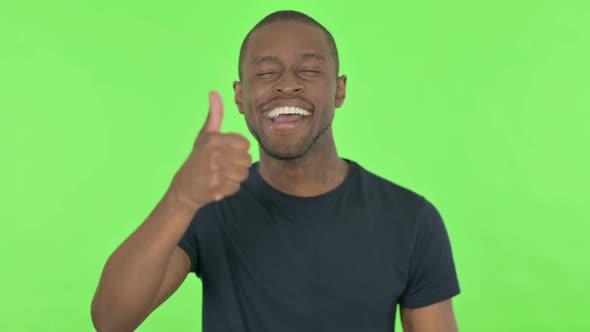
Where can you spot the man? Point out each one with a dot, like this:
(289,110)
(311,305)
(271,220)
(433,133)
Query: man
(300,241)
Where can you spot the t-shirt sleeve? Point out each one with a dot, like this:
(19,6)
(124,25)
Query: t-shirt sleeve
(188,243)
(432,274)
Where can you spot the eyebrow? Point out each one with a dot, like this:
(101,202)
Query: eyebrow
(308,56)
(265,58)
(274,59)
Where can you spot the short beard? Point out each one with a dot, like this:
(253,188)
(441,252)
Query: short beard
(291,157)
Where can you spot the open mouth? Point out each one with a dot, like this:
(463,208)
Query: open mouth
(286,118)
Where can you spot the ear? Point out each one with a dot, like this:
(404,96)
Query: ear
(340,90)
(238,95)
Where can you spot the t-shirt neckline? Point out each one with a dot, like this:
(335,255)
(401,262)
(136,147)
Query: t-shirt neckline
(352,170)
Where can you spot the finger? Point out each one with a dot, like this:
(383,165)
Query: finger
(233,172)
(226,188)
(231,140)
(215,116)
(241,158)
(237,141)
(232,156)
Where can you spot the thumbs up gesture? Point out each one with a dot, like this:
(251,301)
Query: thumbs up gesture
(217,165)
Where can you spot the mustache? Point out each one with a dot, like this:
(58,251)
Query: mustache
(276,100)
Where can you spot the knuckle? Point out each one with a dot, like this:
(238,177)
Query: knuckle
(222,158)
(228,185)
(234,187)
(214,152)
(213,182)
(239,140)
(245,141)
(211,140)
(213,163)
(244,173)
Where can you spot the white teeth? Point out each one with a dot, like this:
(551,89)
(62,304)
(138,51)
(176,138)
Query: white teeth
(275,112)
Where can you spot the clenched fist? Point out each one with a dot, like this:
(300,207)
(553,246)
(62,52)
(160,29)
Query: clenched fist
(217,164)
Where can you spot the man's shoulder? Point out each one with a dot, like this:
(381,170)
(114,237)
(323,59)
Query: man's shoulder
(379,189)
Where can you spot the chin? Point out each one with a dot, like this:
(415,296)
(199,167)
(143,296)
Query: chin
(285,152)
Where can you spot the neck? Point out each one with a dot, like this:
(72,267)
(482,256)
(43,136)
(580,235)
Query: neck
(319,171)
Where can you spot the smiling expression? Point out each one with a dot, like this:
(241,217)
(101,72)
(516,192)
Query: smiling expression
(289,88)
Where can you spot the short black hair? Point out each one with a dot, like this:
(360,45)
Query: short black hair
(289,15)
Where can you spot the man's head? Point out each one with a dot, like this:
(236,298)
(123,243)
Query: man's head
(289,64)
(289,15)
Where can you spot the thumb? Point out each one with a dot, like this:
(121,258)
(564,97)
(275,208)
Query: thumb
(213,122)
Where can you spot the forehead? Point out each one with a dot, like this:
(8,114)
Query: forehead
(287,38)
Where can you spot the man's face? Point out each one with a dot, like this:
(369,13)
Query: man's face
(289,88)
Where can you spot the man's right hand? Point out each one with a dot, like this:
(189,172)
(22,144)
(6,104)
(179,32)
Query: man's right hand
(149,265)
(217,165)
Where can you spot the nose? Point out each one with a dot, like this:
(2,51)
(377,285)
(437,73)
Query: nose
(288,84)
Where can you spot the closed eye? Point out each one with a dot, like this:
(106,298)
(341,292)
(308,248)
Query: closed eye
(309,73)
(265,73)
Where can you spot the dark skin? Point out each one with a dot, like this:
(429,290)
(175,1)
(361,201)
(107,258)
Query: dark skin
(149,266)
(290,64)
(313,166)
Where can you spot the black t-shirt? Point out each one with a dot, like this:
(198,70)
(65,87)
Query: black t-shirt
(340,261)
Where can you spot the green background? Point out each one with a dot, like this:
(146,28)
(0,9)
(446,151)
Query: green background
(480,106)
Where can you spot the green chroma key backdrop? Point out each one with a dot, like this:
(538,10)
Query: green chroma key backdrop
(480,106)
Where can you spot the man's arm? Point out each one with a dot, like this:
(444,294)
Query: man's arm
(426,304)
(438,317)
(146,269)
(149,266)
(178,269)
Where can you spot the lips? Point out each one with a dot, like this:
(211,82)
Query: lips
(287,124)
(287,118)
(287,102)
